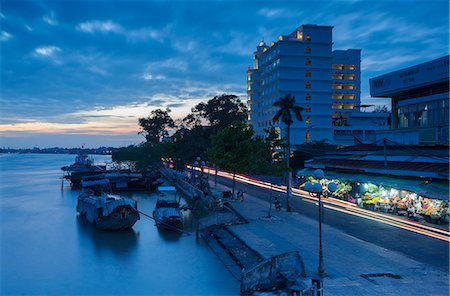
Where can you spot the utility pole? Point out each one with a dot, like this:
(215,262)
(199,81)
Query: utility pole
(385,155)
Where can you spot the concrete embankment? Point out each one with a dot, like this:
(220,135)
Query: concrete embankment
(352,266)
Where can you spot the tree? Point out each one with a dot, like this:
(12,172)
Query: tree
(286,110)
(231,148)
(143,156)
(380,109)
(154,127)
(220,112)
(189,144)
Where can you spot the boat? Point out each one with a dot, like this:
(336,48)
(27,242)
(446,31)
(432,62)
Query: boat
(106,211)
(124,180)
(83,166)
(167,213)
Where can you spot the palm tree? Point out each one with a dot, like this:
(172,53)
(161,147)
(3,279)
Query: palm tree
(287,110)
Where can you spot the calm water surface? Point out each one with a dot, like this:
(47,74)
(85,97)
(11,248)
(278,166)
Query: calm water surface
(46,250)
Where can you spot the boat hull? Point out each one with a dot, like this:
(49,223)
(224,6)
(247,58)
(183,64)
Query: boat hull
(120,217)
(169,224)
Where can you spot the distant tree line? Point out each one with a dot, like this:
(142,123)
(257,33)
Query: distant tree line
(59,150)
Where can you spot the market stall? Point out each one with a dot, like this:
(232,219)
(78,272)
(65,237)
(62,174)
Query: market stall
(421,200)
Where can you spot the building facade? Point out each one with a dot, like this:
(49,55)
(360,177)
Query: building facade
(419,102)
(325,83)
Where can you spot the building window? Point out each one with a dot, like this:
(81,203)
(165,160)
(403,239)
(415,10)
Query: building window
(308,85)
(349,96)
(349,67)
(308,97)
(308,109)
(337,96)
(337,106)
(336,76)
(308,120)
(349,106)
(308,62)
(337,86)
(308,136)
(308,38)
(308,49)
(307,74)
(299,35)
(337,66)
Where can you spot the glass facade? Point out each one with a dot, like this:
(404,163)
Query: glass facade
(429,114)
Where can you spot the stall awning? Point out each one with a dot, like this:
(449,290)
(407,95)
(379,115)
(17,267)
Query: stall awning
(431,189)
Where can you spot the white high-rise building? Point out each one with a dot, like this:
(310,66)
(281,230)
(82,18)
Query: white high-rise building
(324,82)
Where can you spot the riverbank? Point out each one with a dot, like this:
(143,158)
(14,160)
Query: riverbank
(353,266)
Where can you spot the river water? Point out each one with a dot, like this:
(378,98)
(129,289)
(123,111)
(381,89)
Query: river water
(46,250)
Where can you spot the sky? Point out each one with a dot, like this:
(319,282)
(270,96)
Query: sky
(79,73)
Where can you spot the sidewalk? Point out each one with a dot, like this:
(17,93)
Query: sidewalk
(346,258)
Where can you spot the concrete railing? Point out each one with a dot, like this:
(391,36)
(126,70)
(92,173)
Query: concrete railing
(285,269)
(180,180)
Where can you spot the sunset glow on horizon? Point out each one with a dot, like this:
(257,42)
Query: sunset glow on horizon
(93,68)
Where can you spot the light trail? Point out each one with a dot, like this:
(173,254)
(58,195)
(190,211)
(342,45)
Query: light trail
(340,205)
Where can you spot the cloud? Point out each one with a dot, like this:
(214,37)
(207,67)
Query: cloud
(50,19)
(109,26)
(47,51)
(239,44)
(97,70)
(100,26)
(5,36)
(273,13)
(149,76)
(28,28)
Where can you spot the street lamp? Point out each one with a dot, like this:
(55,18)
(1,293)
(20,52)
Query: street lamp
(316,190)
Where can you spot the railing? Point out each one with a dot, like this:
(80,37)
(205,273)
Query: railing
(181,182)
(283,271)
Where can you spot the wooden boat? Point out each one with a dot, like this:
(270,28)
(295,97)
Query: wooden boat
(167,213)
(106,211)
(83,166)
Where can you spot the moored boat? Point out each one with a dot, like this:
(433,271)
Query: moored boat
(106,211)
(82,167)
(167,213)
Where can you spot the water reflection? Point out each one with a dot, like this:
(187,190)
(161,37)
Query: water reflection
(171,235)
(120,242)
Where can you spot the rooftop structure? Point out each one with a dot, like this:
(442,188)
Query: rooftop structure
(420,102)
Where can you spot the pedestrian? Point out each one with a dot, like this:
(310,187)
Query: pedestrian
(241,195)
(277,203)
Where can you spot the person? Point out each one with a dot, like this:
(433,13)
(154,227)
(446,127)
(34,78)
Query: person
(277,203)
(241,195)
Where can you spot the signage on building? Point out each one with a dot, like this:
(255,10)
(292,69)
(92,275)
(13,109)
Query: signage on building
(409,78)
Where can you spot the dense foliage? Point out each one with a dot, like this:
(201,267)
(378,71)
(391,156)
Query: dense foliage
(226,141)
(155,127)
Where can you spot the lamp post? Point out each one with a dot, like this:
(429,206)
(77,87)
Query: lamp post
(315,189)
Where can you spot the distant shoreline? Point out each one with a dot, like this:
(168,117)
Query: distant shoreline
(97,151)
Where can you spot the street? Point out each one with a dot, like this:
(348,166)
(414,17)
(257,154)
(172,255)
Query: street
(416,246)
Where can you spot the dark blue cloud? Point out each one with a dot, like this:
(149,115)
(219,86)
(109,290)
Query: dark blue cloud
(62,57)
